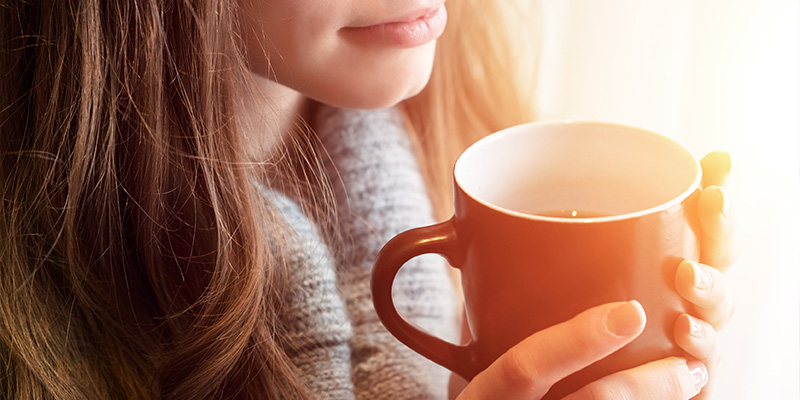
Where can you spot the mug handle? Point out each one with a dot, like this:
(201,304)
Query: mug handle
(440,239)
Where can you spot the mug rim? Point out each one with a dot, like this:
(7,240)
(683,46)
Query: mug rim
(694,186)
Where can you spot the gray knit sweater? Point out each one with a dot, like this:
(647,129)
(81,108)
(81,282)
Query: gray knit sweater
(338,342)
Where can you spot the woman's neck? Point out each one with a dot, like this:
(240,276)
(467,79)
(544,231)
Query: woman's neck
(268,111)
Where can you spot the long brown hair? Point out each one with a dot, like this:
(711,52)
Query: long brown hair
(133,253)
(483,80)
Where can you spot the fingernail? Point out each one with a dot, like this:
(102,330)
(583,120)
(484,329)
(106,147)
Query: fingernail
(725,204)
(695,329)
(702,279)
(699,373)
(626,319)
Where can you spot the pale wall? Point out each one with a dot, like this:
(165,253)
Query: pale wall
(711,74)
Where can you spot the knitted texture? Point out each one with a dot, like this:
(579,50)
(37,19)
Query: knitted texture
(338,342)
(380,193)
(314,315)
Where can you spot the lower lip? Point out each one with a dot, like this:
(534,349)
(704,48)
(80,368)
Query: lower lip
(405,34)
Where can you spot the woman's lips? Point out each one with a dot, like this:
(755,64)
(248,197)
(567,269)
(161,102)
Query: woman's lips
(403,34)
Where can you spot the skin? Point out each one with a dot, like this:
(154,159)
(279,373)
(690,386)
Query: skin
(528,370)
(296,51)
(301,45)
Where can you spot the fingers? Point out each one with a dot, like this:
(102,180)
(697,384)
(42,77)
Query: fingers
(716,168)
(698,338)
(670,378)
(719,245)
(705,287)
(527,370)
(718,221)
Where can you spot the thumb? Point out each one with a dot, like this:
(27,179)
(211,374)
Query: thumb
(529,369)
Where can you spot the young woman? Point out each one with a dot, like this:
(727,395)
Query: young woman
(189,210)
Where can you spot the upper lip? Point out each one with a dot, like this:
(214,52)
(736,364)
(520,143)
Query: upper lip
(408,16)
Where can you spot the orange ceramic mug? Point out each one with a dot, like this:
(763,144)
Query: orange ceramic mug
(552,218)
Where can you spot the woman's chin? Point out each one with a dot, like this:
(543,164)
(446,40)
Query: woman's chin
(372,97)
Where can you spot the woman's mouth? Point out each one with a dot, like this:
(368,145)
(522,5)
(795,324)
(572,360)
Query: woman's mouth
(405,33)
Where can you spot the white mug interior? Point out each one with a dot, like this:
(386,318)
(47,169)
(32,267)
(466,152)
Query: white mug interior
(589,170)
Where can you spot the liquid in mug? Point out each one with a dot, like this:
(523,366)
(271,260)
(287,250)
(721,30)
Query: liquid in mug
(567,213)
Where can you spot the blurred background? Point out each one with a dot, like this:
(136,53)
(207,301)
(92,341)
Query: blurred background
(712,74)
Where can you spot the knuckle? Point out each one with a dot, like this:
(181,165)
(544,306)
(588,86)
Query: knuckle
(716,321)
(717,356)
(720,312)
(603,390)
(728,315)
(674,382)
(716,349)
(518,371)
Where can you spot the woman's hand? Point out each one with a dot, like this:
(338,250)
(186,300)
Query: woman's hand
(700,284)
(527,370)
(704,287)
(719,246)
